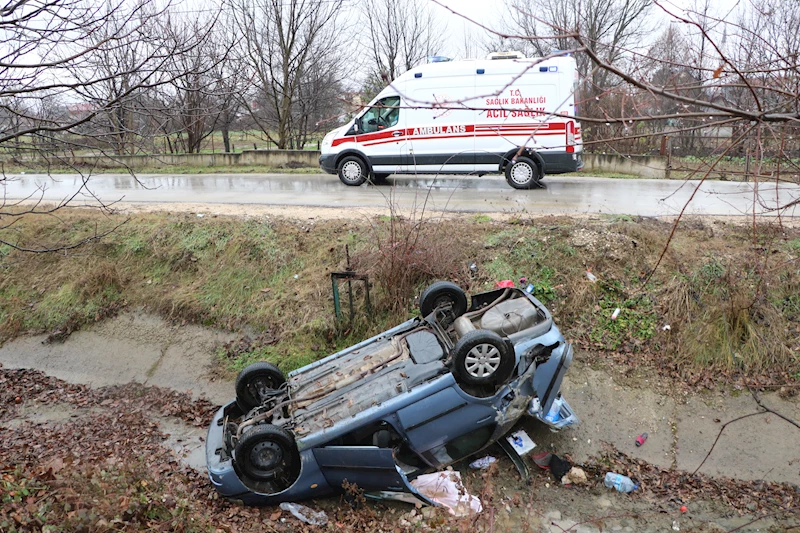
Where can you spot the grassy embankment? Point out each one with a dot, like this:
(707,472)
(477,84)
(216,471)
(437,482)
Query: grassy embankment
(731,304)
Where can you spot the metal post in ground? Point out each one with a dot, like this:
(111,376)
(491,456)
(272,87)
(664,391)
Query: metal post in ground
(747,167)
(668,170)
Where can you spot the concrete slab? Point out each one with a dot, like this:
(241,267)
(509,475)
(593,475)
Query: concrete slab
(759,447)
(132,347)
(610,413)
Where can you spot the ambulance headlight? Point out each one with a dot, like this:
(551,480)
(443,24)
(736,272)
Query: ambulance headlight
(327,141)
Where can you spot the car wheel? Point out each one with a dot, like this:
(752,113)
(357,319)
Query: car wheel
(256,382)
(442,293)
(379,178)
(482,357)
(352,170)
(523,173)
(266,452)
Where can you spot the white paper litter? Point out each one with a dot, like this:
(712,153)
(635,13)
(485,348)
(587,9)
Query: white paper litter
(446,489)
(306,514)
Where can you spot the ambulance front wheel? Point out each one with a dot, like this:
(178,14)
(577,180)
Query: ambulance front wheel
(352,170)
(523,174)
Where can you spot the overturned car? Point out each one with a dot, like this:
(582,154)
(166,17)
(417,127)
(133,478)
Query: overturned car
(420,396)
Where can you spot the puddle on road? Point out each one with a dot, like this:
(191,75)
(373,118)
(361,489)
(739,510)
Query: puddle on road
(558,195)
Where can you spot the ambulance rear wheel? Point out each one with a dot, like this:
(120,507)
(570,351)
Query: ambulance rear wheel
(523,173)
(352,170)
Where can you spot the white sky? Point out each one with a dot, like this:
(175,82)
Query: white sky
(491,14)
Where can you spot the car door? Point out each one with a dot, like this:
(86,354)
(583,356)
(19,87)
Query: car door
(382,136)
(434,425)
(369,468)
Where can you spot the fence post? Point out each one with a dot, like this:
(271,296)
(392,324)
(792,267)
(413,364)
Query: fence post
(747,168)
(667,171)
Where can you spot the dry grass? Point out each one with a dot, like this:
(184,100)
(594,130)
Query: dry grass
(731,302)
(408,253)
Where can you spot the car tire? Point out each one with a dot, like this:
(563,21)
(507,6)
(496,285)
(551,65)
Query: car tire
(482,357)
(441,293)
(352,171)
(266,452)
(523,173)
(255,382)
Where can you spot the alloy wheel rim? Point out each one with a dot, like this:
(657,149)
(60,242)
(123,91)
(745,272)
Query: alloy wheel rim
(482,361)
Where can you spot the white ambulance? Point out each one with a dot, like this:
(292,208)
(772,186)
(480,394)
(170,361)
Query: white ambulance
(465,117)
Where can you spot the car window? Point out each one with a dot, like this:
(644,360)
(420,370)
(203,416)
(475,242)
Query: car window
(384,114)
(463,446)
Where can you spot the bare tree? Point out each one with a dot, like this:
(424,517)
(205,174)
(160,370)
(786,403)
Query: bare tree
(401,34)
(124,56)
(230,80)
(279,39)
(611,27)
(195,105)
(70,76)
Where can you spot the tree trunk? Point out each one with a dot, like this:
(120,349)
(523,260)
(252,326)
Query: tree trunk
(226,140)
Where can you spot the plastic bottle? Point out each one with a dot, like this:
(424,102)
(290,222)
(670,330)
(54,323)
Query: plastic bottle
(619,482)
(554,414)
(482,463)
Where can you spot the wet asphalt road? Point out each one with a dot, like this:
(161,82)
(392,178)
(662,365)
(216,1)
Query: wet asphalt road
(560,195)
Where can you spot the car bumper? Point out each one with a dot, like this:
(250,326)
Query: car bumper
(561,162)
(220,466)
(327,162)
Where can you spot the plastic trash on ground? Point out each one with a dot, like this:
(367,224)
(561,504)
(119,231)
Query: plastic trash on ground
(521,442)
(591,277)
(619,482)
(446,489)
(558,417)
(306,514)
(483,463)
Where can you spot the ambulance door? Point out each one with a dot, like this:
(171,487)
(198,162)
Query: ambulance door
(516,98)
(442,126)
(381,135)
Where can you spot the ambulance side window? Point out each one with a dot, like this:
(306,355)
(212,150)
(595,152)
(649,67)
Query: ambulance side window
(384,114)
